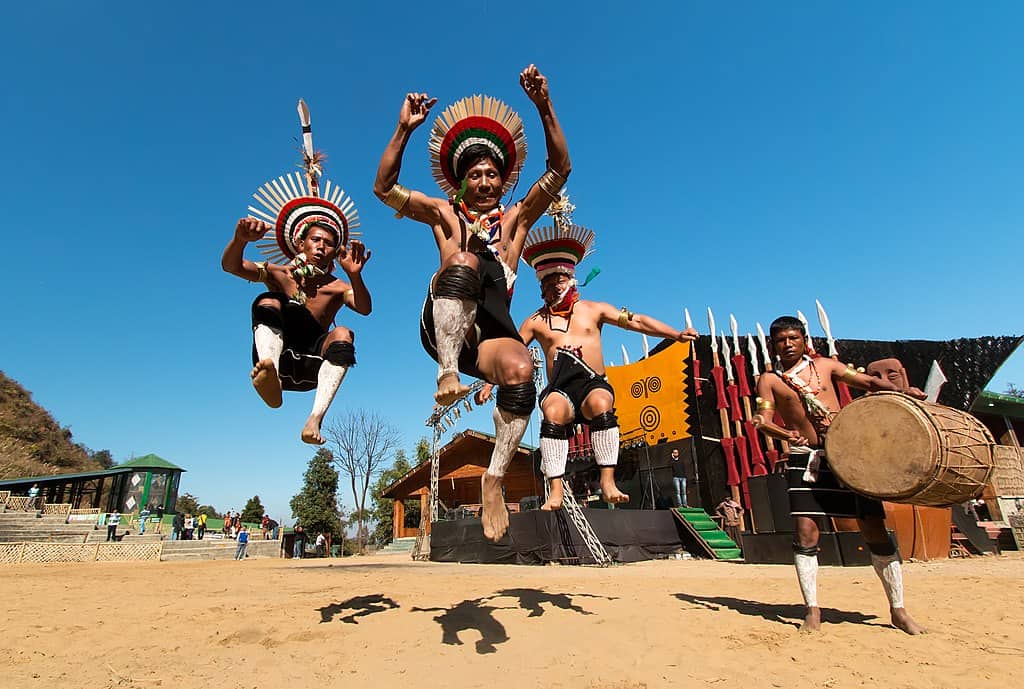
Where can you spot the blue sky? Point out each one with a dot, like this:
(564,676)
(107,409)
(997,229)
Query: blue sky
(750,157)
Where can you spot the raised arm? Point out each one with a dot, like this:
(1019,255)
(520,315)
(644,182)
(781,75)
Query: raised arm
(861,381)
(247,230)
(637,322)
(407,202)
(546,189)
(763,419)
(352,261)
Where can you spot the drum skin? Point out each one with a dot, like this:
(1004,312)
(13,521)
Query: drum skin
(892,447)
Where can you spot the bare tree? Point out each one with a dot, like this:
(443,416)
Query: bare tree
(363,441)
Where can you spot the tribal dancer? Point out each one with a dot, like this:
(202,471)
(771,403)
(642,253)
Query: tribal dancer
(477,149)
(569,330)
(805,391)
(294,344)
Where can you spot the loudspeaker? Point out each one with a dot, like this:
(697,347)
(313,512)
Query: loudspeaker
(761,505)
(780,503)
(777,549)
(853,549)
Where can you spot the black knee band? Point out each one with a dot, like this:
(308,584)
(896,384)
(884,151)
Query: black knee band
(602,422)
(458,282)
(341,354)
(268,316)
(518,399)
(883,549)
(811,550)
(554,430)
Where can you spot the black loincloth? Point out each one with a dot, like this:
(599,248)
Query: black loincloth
(574,380)
(493,319)
(303,340)
(826,497)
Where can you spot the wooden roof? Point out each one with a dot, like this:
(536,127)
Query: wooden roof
(467,448)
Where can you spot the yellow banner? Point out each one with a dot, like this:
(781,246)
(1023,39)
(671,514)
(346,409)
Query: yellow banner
(650,395)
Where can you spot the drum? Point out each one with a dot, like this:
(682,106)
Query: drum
(893,447)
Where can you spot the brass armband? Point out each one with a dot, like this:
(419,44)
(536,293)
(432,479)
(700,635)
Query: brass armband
(625,317)
(551,183)
(397,198)
(849,374)
(764,405)
(262,268)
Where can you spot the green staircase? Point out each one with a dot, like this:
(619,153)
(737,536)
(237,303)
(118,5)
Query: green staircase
(716,544)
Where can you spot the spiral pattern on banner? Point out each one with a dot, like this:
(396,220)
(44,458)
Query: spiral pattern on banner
(653,384)
(637,389)
(650,418)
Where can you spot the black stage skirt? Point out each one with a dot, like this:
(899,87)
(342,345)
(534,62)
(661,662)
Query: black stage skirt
(303,340)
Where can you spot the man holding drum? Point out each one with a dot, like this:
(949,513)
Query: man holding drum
(803,392)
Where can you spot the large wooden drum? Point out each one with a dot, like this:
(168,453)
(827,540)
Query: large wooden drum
(893,447)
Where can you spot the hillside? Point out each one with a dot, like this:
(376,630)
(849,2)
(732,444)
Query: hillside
(32,443)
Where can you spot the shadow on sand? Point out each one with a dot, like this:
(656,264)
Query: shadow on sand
(362,605)
(791,615)
(478,614)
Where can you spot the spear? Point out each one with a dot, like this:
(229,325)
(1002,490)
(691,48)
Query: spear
(310,158)
(844,391)
(807,329)
(737,418)
(625,356)
(773,455)
(728,446)
(739,363)
(693,356)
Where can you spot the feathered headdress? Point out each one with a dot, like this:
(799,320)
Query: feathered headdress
(292,203)
(476,120)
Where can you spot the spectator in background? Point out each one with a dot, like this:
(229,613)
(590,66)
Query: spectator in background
(33,497)
(243,541)
(299,548)
(190,525)
(321,545)
(113,519)
(201,525)
(265,526)
(679,479)
(143,518)
(731,513)
(159,518)
(177,526)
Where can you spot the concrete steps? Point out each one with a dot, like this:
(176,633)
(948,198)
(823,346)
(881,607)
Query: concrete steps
(30,526)
(398,546)
(216,550)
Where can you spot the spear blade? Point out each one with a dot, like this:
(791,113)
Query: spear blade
(823,319)
(752,352)
(625,356)
(307,130)
(807,329)
(711,329)
(686,315)
(647,347)
(725,355)
(764,344)
(735,333)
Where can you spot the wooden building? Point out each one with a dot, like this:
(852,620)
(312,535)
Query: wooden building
(461,464)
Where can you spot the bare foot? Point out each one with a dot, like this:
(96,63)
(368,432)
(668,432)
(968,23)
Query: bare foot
(266,382)
(901,619)
(493,513)
(555,497)
(449,389)
(611,493)
(311,432)
(812,620)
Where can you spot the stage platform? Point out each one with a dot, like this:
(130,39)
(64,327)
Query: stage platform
(538,537)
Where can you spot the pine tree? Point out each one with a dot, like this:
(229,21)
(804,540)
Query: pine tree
(316,506)
(253,511)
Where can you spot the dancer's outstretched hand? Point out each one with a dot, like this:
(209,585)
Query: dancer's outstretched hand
(535,85)
(483,395)
(251,229)
(415,109)
(354,258)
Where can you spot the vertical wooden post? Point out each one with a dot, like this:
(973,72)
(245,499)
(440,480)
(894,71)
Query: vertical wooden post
(424,506)
(397,518)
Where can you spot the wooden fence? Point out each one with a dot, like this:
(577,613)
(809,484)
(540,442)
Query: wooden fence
(11,553)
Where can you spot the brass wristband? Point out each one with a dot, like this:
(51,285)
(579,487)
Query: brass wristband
(551,183)
(397,198)
(625,316)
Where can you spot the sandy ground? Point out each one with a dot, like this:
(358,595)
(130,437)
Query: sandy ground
(387,621)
